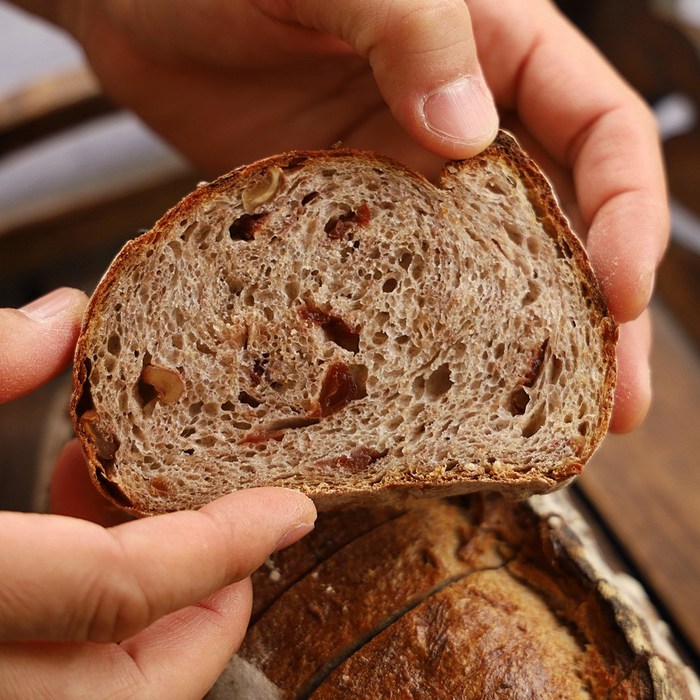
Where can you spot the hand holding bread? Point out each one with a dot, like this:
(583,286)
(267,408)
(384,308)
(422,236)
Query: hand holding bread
(230,82)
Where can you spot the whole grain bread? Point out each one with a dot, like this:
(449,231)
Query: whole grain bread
(470,598)
(333,322)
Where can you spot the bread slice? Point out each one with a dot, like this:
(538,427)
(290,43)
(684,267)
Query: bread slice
(333,322)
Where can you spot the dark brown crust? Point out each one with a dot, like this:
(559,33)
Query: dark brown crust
(349,632)
(397,493)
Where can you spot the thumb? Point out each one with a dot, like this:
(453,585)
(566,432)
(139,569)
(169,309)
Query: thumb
(424,60)
(36,341)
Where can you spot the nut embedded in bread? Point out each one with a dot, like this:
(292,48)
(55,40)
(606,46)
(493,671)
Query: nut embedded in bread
(333,322)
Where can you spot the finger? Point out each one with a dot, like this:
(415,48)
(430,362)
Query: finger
(633,389)
(424,60)
(627,209)
(73,493)
(36,341)
(577,106)
(180,656)
(205,637)
(69,579)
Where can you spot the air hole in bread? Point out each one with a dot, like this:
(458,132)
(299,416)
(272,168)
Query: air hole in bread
(195,408)
(110,488)
(308,198)
(114,344)
(533,293)
(176,246)
(235,286)
(514,233)
(555,369)
(246,398)
(395,422)
(379,338)
(535,422)
(519,399)
(204,348)
(417,267)
(439,382)
(292,289)
(390,285)
(291,423)
(534,246)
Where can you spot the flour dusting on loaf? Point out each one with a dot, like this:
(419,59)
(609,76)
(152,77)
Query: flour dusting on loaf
(333,322)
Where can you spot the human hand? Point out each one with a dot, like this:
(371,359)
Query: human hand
(227,81)
(150,608)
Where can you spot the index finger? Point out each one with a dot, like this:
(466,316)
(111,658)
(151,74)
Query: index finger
(589,120)
(67,579)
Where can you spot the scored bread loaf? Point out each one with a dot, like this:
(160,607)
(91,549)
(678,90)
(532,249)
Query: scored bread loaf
(469,598)
(333,322)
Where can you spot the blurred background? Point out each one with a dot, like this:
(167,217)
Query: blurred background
(78,178)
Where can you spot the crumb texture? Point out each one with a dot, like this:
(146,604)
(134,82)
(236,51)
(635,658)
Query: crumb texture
(339,324)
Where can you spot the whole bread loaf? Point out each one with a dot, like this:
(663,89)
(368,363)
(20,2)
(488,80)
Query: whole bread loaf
(333,322)
(471,598)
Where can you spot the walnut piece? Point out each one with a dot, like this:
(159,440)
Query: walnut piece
(166,382)
(263,191)
(100,434)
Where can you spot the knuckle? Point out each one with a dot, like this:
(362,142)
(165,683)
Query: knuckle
(117,604)
(418,26)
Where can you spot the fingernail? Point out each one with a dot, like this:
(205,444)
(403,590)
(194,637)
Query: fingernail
(463,111)
(296,533)
(49,305)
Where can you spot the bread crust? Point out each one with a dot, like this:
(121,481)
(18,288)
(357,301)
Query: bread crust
(469,598)
(418,479)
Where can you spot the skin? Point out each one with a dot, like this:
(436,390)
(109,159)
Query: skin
(149,608)
(227,82)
